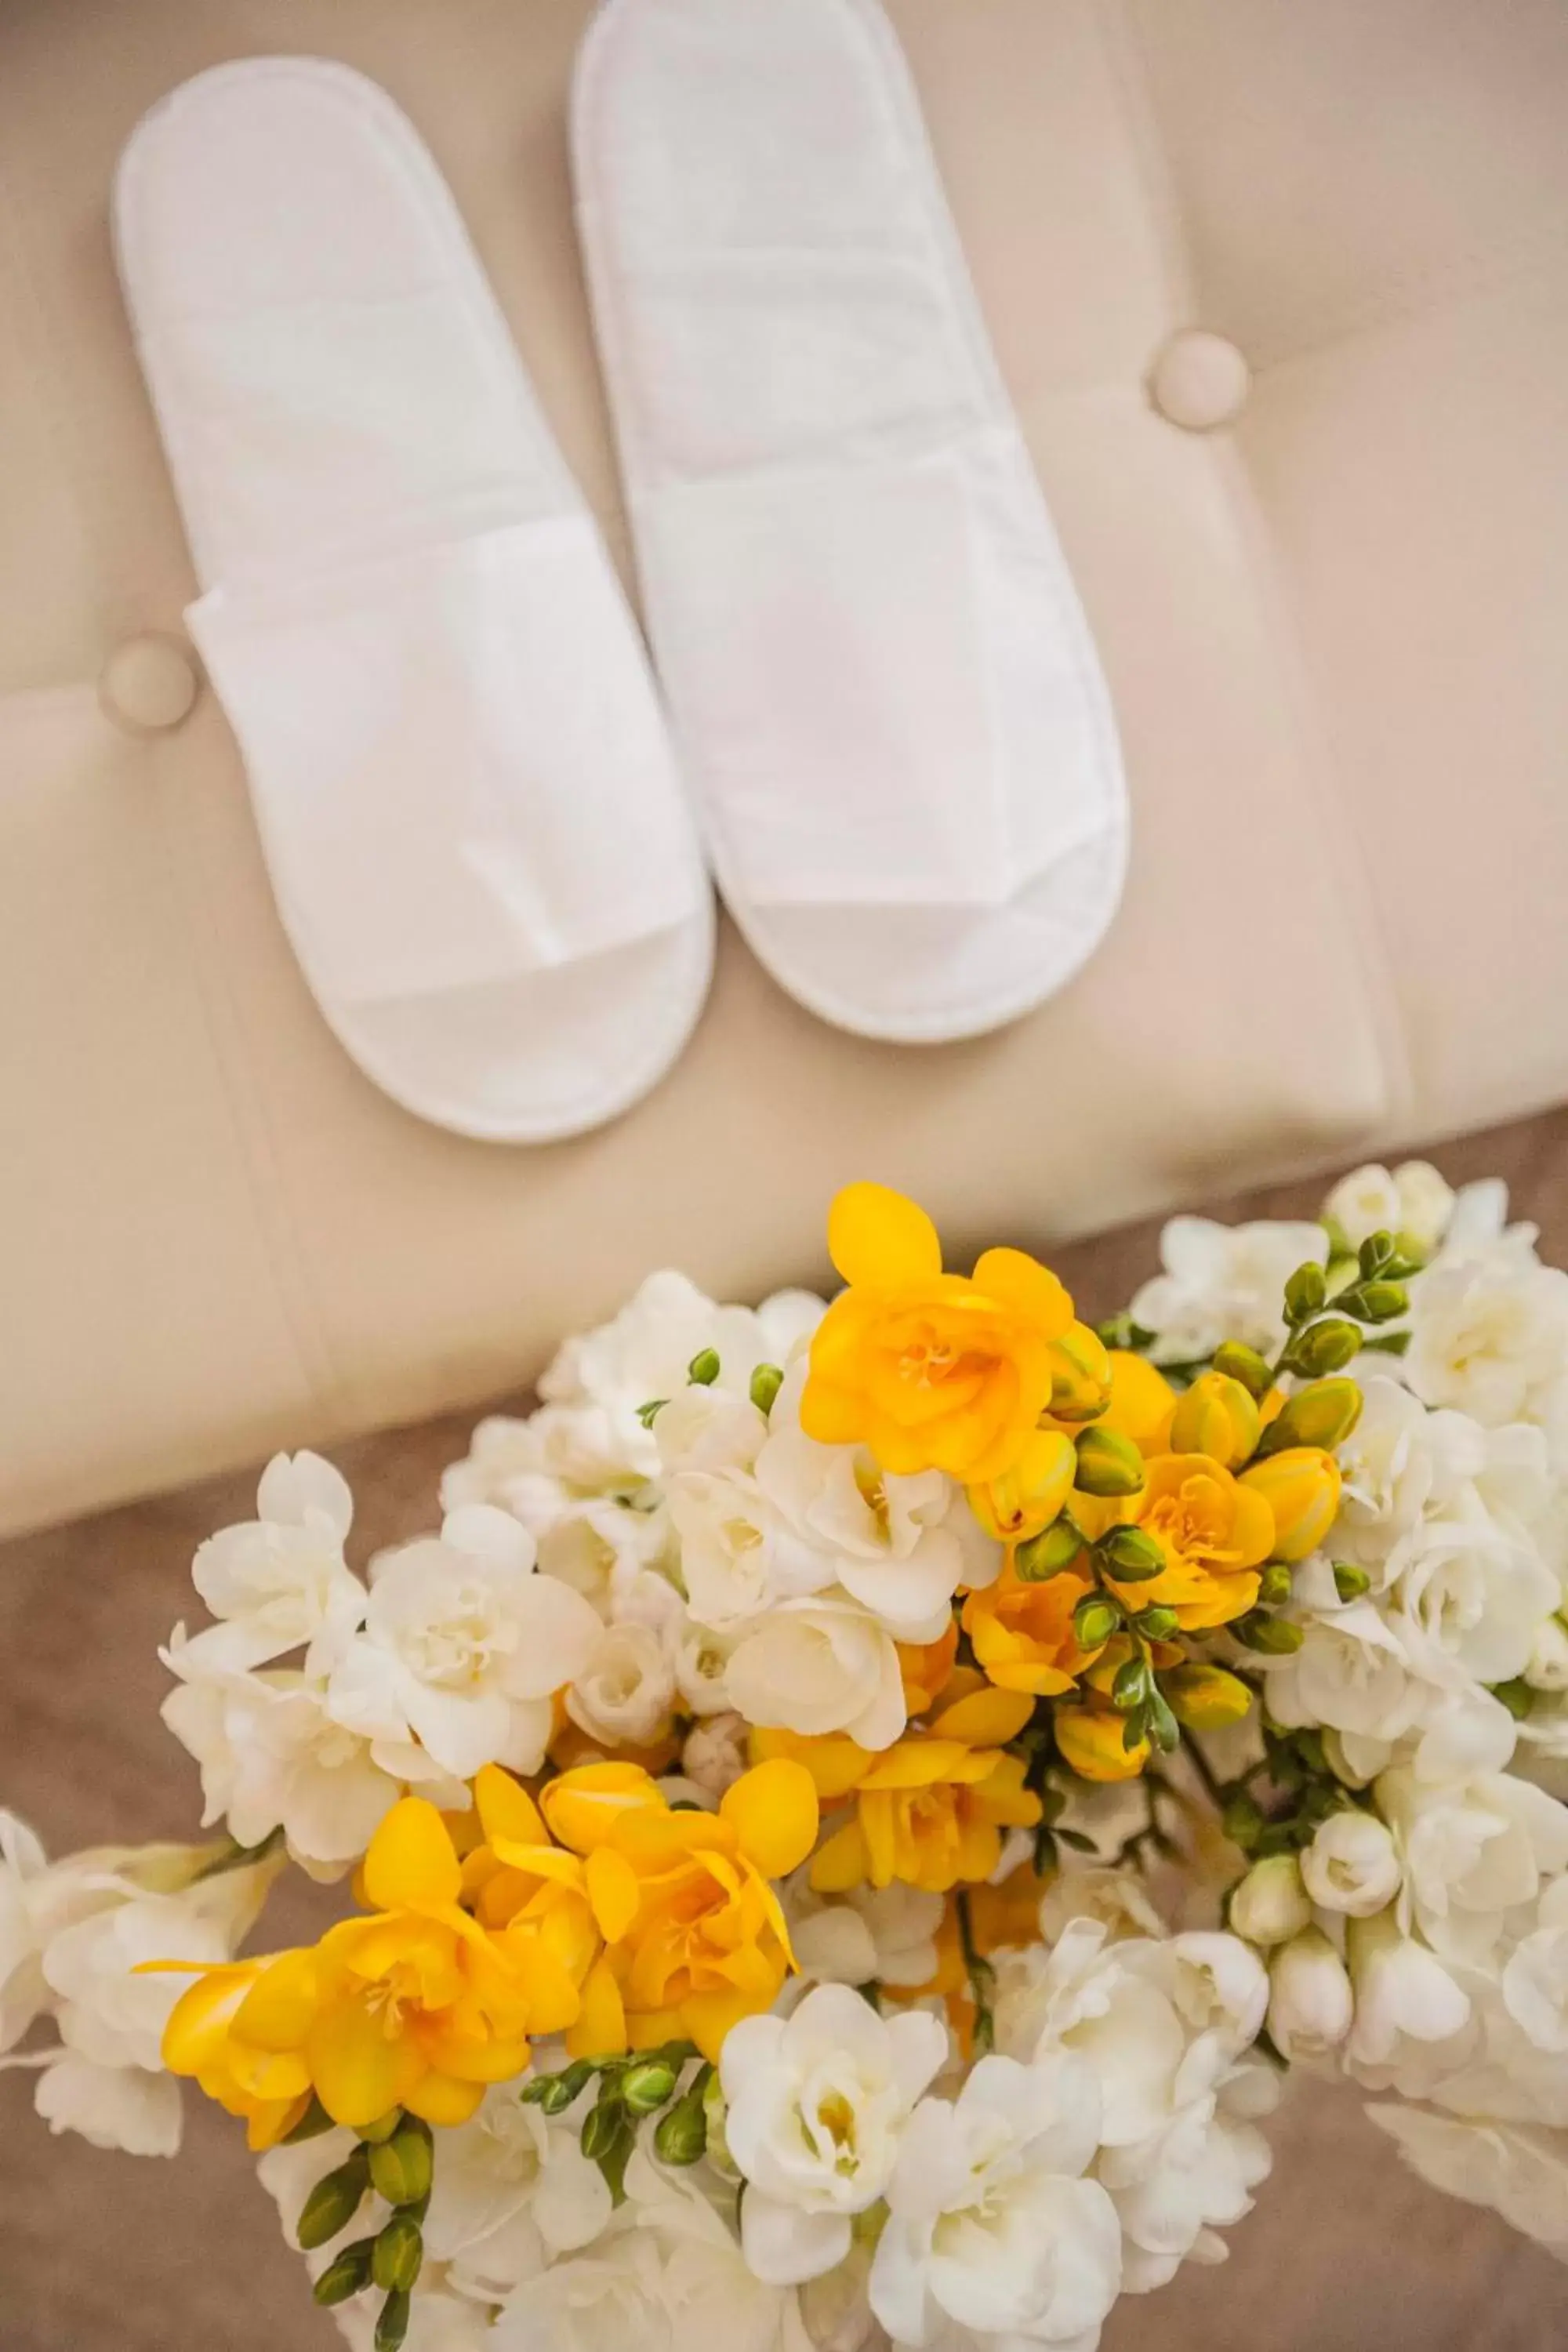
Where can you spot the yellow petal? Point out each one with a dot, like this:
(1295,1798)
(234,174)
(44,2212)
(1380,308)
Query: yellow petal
(584,1806)
(834,1761)
(601,2027)
(708,2017)
(359,2070)
(987,1719)
(411,1864)
(441,2099)
(840,1865)
(280,2010)
(773,1812)
(506,1810)
(876,1238)
(1022,1282)
(613,1892)
(199,2021)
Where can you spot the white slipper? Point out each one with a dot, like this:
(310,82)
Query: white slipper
(882,685)
(461,774)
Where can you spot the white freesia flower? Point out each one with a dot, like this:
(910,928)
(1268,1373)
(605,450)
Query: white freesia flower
(875,1935)
(1547,1667)
(1352,1866)
(817,2106)
(279,1582)
(738,1557)
(1271,1904)
(1406,2001)
(78,1931)
(992,2225)
(1365,1201)
(1473,1848)
(1518,2170)
(899,1546)
(707,1428)
(715,1753)
(818,1664)
(511,2192)
(1310,2004)
(1115,1898)
(1534,1984)
(624,1695)
(1370,1678)
(1426,1203)
(1174,2195)
(272,1757)
(1222,1282)
(667,2273)
(1489,1336)
(463,1648)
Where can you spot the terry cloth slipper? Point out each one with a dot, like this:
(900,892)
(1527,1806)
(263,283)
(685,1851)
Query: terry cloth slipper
(882,685)
(462,776)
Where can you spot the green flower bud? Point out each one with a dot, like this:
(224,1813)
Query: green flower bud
(1376,1302)
(383,2127)
(1130,1685)
(1274,1584)
(1376,1255)
(1305,1292)
(1245,1365)
(1046,1554)
(556,2092)
(1349,1581)
(1323,1413)
(703,1369)
(1324,1346)
(680,2135)
(1159,1621)
(1134,1730)
(346,2274)
(1275,1637)
(602,2126)
(1206,1699)
(1094,1621)
(647,1413)
(1130,1556)
(333,2202)
(767,1382)
(1108,1463)
(645,2087)
(392,2325)
(399,2255)
(401,2167)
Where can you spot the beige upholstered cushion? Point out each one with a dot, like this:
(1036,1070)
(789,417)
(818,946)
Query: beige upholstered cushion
(1329,585)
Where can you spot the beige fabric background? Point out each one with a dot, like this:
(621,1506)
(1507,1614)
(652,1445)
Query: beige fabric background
(1347,2252)
(1333,634)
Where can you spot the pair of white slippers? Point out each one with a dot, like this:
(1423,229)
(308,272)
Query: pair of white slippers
(887,733)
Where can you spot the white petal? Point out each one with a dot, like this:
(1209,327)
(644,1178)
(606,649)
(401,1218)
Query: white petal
(783,2246)
(119,2107)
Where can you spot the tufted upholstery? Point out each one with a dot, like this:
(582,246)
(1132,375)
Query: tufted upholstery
(1331,600)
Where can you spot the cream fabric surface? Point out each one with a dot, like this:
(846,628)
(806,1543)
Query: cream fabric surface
(1332,633)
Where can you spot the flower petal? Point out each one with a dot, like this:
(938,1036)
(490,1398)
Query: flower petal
(411,1864)
(613,1892)
(877,1237)
(773,1811)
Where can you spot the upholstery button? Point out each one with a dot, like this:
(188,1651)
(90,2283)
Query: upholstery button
(1199,381)
(149,684)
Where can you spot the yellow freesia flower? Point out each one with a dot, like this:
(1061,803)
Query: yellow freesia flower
(416,2006)
(1141,1404)
(1027,1497)
(1217,1417)
(930,1371)
(1215,1531)
(1022,1634)
(697,1938)
(924,1668)
(931,1811)
(1301,1488)
(1091,1741)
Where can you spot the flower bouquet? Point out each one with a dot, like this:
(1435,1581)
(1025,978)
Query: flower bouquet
(844,1832)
